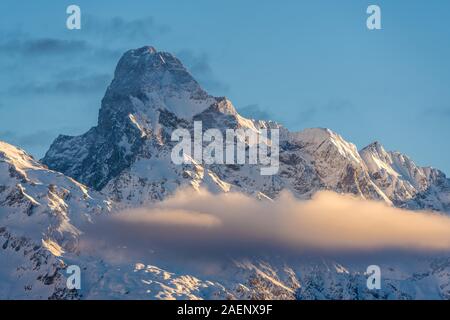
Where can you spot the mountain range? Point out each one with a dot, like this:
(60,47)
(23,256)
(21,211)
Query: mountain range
(125,162)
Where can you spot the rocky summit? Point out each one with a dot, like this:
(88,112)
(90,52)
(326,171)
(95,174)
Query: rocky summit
(125,162)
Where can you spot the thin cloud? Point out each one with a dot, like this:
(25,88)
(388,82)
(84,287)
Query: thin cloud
(39,138)
(200,67)
(43,46)
(81,85)
(311,112)
(436,112)
(118,29)
(254,111)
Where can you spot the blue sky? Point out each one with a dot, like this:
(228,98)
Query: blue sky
(303,63)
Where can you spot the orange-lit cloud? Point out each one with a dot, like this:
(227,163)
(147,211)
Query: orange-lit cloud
(328,221)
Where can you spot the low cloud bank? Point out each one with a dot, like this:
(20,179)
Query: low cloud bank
(209,223)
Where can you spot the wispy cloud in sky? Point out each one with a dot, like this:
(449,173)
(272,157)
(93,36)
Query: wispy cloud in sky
(118,29)
(42,46)
(35,139)
(92,83)
(436,112)
(254,111)
(200,67)
(313,111)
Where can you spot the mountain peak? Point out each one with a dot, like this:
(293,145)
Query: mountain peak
(146,49)
(322,138)
(147,70)
(375,147)
(376,144)
(17,157)
(155,78)
(318,135)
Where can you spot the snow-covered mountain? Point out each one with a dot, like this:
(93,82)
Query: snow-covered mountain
(125,162)
(404,182)
(127,155)
(40,214)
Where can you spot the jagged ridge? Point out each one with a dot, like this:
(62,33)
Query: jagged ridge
(127,156)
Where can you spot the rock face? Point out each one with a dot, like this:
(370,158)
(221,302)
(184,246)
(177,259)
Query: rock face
(149,90)
(127,155)
(406,184)
(40,214)
(125,161)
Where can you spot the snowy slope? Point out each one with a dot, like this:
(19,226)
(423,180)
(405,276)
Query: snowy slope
(40,211)
(125,162)
(405,183)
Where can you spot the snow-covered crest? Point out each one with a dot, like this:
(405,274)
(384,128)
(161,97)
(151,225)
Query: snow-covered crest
(127,157)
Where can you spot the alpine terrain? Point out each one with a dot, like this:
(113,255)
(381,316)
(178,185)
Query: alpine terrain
(125,162)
